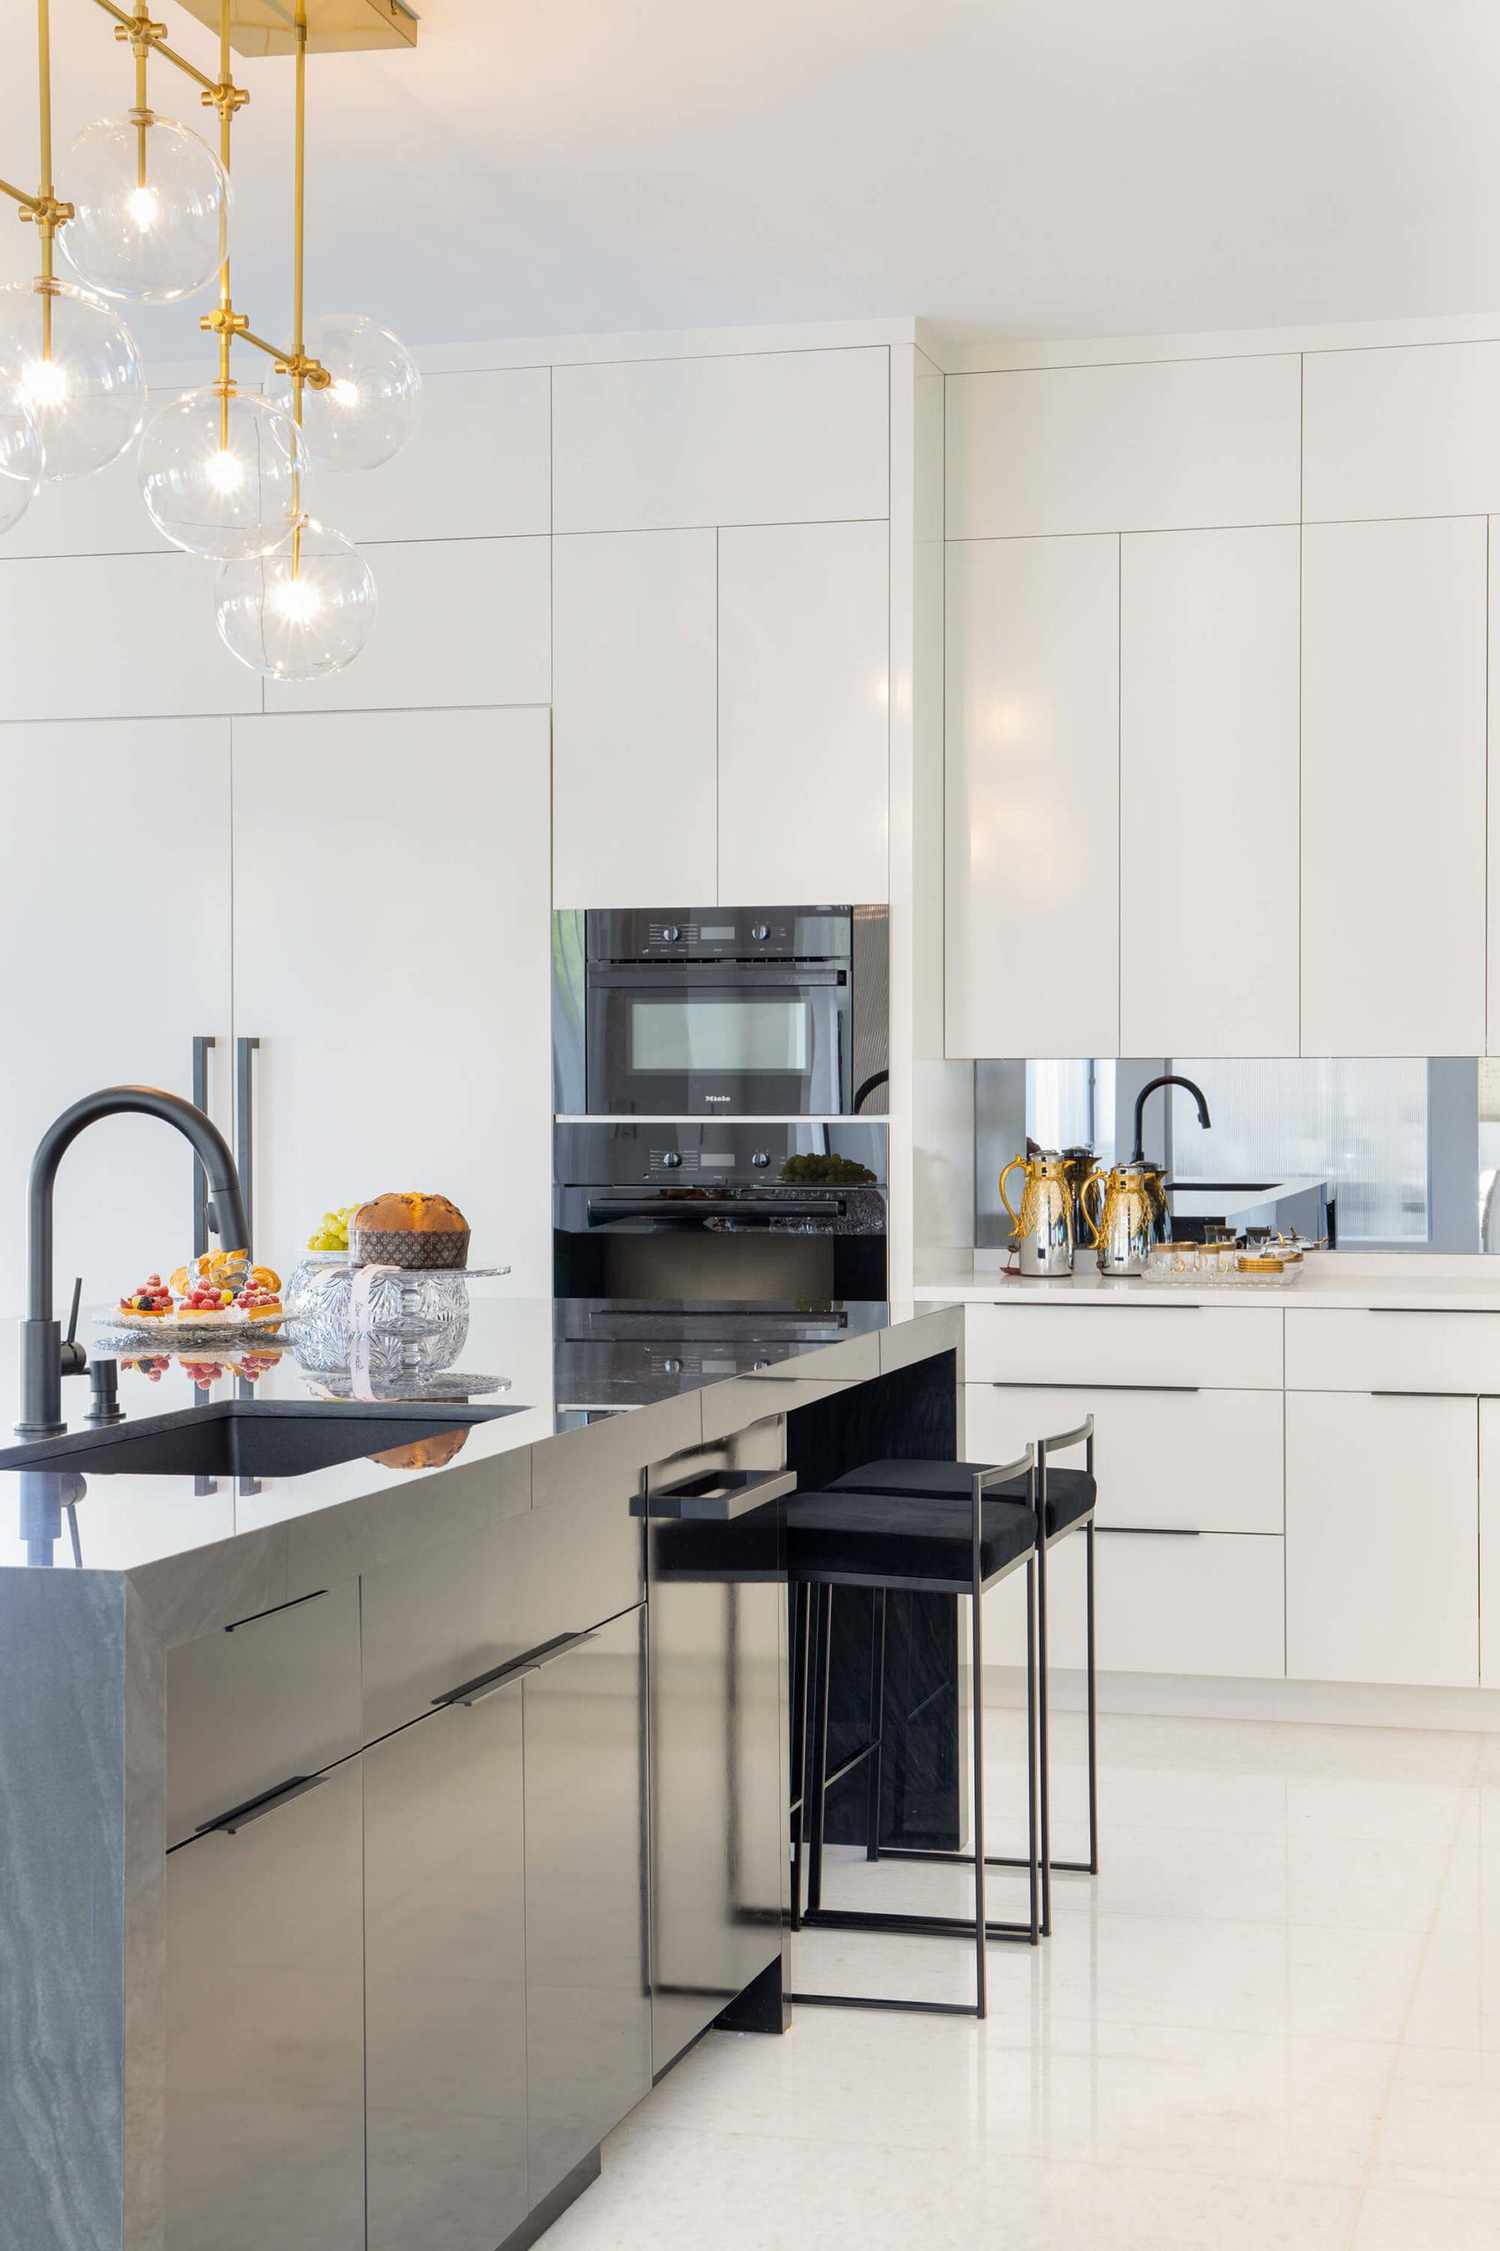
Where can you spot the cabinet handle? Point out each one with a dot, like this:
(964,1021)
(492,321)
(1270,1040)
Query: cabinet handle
(515,1668)
(1164,1389)
(1479,1309)
(244,1133)
(1149,1531)
(240,1816)
(202,1042)
(1418,1395)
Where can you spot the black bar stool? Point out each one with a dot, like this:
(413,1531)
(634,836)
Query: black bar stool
(950,1545)
(1064,1501)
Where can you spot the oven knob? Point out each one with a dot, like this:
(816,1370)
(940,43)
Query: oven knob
(671,1158)
(760,1160)
(759,932)
(671,1366)
(670,933)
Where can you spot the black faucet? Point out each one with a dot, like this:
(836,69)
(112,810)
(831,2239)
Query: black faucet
(1168,1078)
(42,1356)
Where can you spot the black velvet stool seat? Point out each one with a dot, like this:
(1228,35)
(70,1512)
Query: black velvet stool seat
(1064,1499)
(956,1543)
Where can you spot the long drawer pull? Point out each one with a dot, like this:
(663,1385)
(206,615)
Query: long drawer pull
(515,1668)
(1095,1304)
(1421,1395)
(270,1801)
(1175,1389)
(1150,1531)
(1479,1309)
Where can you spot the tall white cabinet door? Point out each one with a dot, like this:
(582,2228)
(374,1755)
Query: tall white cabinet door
(391,956)
(1393,788)
(110,977)
(1489,1542)
(1382,1538)
(1033,806)
(634,753)
(1208,752)
(804,754)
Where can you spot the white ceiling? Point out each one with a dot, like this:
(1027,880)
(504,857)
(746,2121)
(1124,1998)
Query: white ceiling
(1036,167)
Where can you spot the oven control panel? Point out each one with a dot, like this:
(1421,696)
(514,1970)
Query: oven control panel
(721,934)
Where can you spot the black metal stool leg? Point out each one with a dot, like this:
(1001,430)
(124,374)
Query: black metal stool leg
(976,1703)
(1044,1758)
(1093,1698)
(818,1773)
(877,1722)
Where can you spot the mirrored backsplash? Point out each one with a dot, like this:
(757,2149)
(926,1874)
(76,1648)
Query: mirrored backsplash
(1406,1150)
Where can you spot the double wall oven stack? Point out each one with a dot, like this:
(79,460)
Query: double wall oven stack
(711,1066)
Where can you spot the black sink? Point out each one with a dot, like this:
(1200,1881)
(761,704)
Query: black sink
(235,1438)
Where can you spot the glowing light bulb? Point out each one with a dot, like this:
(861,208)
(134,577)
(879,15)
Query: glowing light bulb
(296,599)
(43,383)
(143,207)
(224,470)
(343,393)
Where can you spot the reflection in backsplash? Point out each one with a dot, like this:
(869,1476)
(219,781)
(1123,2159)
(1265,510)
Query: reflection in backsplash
(1409,1148)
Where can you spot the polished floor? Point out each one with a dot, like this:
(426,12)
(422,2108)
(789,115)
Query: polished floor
(1273,2024)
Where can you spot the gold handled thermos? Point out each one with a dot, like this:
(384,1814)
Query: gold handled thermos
(1043,1230)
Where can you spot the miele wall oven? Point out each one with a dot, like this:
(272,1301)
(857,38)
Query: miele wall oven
(721,1012)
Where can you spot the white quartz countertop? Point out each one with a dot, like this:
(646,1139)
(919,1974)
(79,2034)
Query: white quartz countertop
(1331,1279)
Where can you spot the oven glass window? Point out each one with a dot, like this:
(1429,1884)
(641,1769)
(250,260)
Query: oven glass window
(720,1035)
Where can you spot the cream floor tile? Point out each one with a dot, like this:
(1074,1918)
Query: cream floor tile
(1441,2131)
(1416,2220)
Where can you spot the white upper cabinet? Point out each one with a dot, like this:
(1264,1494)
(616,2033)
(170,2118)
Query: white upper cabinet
(392,945)
(764,438)
(114,889)
(803,714)
(460,621)
(478,466)
(1492,1044)
(1153,447)
(635,792)
(1033,812)
(1409,432)
(1208,754)
(1393,788)
(106,636)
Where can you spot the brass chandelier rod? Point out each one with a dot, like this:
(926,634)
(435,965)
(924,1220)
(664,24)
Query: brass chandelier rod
(43,208)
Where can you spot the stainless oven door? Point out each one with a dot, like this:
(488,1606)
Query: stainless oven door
(718,1039)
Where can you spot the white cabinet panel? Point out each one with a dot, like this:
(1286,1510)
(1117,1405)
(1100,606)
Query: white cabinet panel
(98,637)
(400,994)
(1404,432)
(1391,1348)
(1168,1602)
(1033,797)
(478,467)
(1492,800)
(1166,1460)
(99,515)
(129,961)
(761,438)
(1393,788)
(804,760)
(1209,661)
(1225,1347)
(635,650)
(1489,1543)
(1382,1539)
(1149,447)
(459,622)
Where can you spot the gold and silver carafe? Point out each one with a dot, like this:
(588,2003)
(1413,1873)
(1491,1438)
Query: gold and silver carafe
(1125,1211)
(1044,1228)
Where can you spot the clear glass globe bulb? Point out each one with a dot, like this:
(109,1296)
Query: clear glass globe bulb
(69,360)
(146,225)
(21,460)
(220,476)
(374,402)
(303,611)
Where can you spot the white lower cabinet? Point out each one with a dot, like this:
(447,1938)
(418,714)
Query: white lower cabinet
(1382,1538)
(1208,1603)
(391,901)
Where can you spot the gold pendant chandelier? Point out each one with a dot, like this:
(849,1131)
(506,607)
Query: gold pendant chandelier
(223,471)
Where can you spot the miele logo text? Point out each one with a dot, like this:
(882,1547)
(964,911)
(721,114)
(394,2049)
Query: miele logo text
(718,1097)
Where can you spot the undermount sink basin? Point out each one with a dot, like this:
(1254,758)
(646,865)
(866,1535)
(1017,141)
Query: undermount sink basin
(236,1438)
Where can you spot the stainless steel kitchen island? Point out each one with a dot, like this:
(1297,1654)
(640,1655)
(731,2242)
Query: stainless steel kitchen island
(374,1835)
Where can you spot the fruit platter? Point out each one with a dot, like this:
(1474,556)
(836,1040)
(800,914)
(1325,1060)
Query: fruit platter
(215,1298)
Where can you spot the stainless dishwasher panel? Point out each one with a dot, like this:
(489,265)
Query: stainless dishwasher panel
(718,1787)
(588,2010)
(445,1979)
(271,1695)
(265,2028)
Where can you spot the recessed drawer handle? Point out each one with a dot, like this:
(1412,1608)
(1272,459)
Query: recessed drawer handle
(1150,1531)
(240,1817)
(1481,1310)
(1420,1395)
(516,1668)
(1164,1389)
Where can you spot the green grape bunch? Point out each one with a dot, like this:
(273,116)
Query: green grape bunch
(332,1232)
